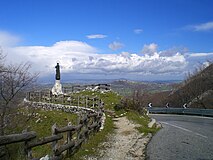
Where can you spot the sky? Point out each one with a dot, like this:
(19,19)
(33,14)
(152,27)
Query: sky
(108,39)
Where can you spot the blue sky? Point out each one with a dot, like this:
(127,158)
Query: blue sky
(136,39)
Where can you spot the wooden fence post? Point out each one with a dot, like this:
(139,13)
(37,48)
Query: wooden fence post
(69,138)
(28,151)
(93,102)
(3,153)
(49,95)
(86,101)
(54,143)
(79,122)
(70,100)
(86,126)
(78,101)
(39,98)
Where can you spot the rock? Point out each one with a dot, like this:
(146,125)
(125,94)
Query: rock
(45,158)
(150,125)
(38,120)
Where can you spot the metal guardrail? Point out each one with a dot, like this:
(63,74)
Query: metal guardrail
(187,111)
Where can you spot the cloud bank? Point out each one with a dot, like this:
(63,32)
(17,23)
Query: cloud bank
(7,39)
(79,57)
(76,57)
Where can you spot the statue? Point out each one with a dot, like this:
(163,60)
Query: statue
(57,88)
(57,76)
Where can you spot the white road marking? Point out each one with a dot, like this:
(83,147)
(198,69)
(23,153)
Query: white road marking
(184,129)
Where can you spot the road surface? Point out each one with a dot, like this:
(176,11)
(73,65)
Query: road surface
(182,138)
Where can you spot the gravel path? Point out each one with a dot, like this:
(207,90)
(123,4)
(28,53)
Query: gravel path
(125,144)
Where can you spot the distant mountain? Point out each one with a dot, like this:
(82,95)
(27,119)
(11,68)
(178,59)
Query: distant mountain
(126,87)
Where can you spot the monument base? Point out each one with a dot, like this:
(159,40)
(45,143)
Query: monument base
(57,88)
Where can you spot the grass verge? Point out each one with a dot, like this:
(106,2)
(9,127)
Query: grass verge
(90,148)
(143,121)
(41,123)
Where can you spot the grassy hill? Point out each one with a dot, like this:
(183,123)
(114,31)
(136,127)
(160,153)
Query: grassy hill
(40,121)
(196,90)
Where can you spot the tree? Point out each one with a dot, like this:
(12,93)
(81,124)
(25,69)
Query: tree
(14,79)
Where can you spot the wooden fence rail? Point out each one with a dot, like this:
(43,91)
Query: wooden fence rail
(87,124)
(46,96)
(67,140)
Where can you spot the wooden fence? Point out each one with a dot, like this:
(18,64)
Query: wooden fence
(74,100)
(78,88)
(67,140)
(75,136)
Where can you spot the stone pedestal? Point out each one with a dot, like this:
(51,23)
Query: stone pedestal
(57,88)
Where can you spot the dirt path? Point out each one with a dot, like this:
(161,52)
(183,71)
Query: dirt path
(125,144)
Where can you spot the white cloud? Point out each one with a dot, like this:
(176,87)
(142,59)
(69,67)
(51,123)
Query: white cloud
(201,27)
(174,50)
(138,31)
(150,49)
(96,36)
(116,45)
(200,54)
(44,58)
(7,39)
(79,57)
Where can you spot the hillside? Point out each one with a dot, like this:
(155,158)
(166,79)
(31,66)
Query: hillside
(196,90)
(125,87)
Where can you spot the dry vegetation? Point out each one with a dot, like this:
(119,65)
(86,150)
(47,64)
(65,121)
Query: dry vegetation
(196,90)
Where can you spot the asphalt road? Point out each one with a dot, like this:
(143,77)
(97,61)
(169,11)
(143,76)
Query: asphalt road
(182,138)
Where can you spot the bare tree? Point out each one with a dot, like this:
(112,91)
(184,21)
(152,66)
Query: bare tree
(13,80)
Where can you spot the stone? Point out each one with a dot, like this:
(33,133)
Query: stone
(45,158)
(57,88)
(38,120)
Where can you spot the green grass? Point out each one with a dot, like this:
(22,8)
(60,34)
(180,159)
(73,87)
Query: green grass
(42,128)
(110,98)
(92,145)
(143,121)
(48,118)
(90,148)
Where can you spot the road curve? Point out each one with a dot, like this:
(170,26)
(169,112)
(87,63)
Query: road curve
(182,138)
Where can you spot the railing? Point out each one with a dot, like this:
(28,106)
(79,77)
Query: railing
(75,136)
(72,100)
(91,120)
(187,111)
